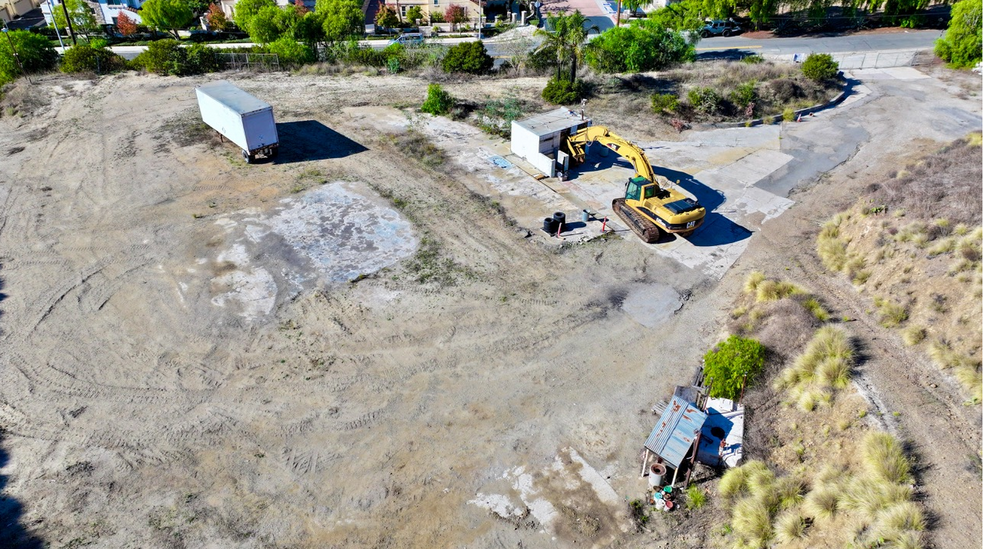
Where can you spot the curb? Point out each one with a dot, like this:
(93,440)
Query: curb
(774,119)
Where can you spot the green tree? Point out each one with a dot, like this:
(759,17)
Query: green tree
(167,15)
(732,364)
(343,19)
(310,29)
(263,27)
(642,46)
(567,38)
(414,13)
(83,19)
(682,16)
(33,50)
(246,10)
(961,46)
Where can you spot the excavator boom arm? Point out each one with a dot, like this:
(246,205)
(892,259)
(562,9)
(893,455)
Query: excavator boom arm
(624,148)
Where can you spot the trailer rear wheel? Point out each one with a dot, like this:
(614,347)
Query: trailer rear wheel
(247,157)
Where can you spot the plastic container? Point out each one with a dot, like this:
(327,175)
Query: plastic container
(656,472)
(585,215)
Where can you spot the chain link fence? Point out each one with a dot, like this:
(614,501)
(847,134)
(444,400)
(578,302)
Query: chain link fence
(256,62)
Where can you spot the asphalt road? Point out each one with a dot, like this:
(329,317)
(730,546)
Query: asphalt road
(869,42)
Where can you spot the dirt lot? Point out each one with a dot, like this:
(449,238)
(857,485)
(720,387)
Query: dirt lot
(185,364)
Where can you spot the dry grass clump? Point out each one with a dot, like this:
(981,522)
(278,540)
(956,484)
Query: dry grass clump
(821,503)
(891,314)
(913,335)
(883,458)
(824,366)
(790,527)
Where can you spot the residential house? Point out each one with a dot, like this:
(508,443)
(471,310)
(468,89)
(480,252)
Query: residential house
(12,9)
(106,11)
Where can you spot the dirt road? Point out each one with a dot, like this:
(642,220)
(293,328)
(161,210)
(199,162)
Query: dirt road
(184,364)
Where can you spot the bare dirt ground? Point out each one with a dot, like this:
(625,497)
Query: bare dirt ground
(184,365)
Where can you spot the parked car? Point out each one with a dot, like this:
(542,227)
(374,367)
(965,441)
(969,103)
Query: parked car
(720,28)
(408,39)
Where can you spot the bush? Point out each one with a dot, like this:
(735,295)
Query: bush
(665,102)
(469,57)
(744,95)
(290,52)
(34,51)
(199,59)
(85,58)
(961,46)
(164,57)
(732,364)
(642,46)
(168,58)
(438,101)
(563,92)
(704,100)
(820,67)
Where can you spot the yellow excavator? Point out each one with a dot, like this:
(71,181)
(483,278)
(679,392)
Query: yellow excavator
(648,207)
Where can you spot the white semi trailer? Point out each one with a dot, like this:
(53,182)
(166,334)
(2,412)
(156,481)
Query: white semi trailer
(240,118)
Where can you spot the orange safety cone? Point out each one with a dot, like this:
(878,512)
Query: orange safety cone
(799,117)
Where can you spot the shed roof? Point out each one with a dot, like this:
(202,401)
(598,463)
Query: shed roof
(676,430)
(553,121)
(229,95)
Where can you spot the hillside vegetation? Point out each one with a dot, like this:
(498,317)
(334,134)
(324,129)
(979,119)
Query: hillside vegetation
(912,244)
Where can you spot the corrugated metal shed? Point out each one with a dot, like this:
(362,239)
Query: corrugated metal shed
(676,431)
(236,99)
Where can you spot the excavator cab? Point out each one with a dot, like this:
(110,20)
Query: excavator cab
(641,189)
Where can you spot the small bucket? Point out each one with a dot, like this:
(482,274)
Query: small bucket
(585,215)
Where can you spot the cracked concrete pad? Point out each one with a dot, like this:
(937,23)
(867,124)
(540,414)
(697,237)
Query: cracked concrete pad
(331,234)
(651,304)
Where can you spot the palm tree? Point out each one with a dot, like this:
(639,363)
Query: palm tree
(567,38)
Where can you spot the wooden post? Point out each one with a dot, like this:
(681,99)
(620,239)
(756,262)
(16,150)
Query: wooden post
(675,471)
(645,462)
(692,459)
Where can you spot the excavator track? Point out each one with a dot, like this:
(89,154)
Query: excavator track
(641,226)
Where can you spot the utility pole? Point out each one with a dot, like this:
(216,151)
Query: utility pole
(16,56)
(68,21)
(51,10)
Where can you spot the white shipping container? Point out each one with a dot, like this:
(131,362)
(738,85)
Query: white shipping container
(241,118)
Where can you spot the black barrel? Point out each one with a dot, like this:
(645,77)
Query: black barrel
(550,225)
(560,218)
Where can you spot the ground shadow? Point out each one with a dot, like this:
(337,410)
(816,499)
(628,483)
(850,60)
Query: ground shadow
(307,140)
(717,229)
(12,533)
(724,55)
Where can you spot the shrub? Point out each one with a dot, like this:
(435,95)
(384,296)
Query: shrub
(695,497)
(774,290)
(821,503)
(820,67)
(744,94)
(753,280)
(438,101)
(200,59)
(642,46)
(290,52)
(469,57)
(961,46)
(33,50)
(892,314)
(788,114)
(85,58)
(752,59)
(665,103)
(751,521)
(731,364)
(704,100)
(562,92)
(913,335)
(162,57)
